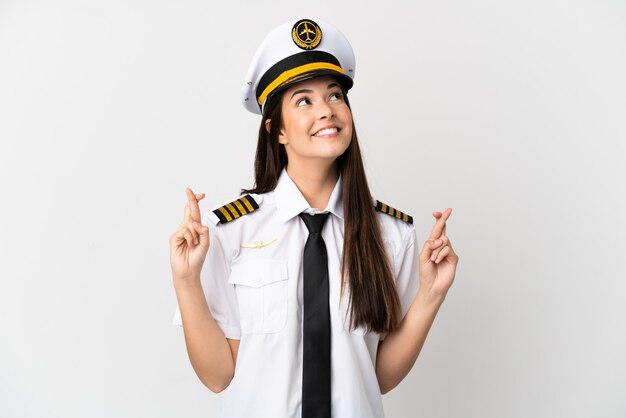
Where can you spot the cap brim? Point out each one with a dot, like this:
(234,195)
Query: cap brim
(343,79)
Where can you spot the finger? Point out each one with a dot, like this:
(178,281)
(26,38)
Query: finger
(178,243)
(427,249)
(199,197)
(442,254)
(438,215)
(440,224)
(193,205)
(203,232)
(453,257)
(193,232)
(179,234)
(186,216)
(175,238)
(449,255)
(188,238)
(444,241)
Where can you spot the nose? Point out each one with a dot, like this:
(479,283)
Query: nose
(325,111)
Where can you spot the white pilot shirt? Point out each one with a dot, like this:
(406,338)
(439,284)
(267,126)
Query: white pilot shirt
(255,295)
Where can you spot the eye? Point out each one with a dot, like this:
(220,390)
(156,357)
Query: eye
(303,101)
(336,95)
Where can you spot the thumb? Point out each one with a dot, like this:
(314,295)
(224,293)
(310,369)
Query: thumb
(429,246)
(203,232)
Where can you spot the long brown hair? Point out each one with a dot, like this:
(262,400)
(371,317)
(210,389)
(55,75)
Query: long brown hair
(373,300)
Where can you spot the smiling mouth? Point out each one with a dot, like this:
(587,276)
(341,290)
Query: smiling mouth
(327,131)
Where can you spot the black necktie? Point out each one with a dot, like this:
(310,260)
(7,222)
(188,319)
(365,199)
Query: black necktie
(316,332)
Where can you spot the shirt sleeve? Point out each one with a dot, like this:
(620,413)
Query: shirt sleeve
(406,268)
(220,295)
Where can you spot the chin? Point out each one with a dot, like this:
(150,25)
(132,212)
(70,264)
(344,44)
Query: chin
(333,152)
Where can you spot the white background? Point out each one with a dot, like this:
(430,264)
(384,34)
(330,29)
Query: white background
(512,113)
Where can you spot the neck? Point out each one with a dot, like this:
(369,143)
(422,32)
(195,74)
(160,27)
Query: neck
(315,184)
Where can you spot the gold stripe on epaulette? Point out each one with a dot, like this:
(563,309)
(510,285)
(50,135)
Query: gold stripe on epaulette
(239,206)
(236,209)
(381,207)
(232,210)
(245,202)
(225,214)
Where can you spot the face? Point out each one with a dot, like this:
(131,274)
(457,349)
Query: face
(317,122)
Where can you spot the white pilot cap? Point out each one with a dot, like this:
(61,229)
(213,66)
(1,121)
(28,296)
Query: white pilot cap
(295,51)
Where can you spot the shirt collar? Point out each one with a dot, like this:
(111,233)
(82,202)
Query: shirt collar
(290,202)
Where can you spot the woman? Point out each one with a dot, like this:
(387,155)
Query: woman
(297,319)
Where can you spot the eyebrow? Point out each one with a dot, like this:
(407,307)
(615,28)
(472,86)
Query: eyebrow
(331,85)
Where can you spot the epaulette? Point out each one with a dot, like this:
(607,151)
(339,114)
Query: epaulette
(381,207)
(236,209)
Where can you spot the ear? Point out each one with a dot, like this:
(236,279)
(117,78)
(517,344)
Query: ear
(281,135)
(282,138)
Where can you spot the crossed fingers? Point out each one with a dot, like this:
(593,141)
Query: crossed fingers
(439,228)
(192,214)
(439,233)
(191,208)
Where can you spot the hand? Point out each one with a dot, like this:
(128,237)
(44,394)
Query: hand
(438,260)
(190,243)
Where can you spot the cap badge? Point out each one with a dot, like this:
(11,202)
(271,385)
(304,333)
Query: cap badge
(306,34)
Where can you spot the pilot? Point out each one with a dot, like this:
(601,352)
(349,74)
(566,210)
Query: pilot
(305,296)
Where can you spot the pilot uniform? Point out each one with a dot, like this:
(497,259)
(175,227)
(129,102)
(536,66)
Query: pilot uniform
(252,280)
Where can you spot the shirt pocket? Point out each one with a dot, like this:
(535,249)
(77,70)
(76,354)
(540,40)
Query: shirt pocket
(261,287)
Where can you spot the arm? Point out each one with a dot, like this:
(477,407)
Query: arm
(212,355)
(437,263)
(399,350)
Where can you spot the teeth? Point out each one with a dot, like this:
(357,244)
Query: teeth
(326,131)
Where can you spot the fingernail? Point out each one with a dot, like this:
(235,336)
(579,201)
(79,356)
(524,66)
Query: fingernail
(437,241)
